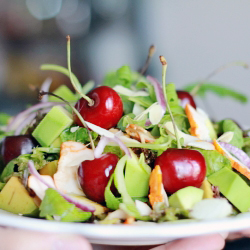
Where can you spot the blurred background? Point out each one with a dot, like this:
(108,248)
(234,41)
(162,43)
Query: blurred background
(196,37)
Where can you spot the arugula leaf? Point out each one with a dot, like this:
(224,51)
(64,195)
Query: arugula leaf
(129,119)
(4,118)
(172,95)
(77,134)
(19,164)
(144,101)
(127,104)
(214,161)
(217,89)
(123,76)
(149,87)
(229,125)
(53,204)
(114,150)
(173,214)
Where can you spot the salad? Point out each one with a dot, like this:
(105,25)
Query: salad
(131,150)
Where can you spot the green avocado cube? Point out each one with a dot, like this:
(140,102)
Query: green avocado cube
(186,198)
(233,187)
(52,125)
(64,92)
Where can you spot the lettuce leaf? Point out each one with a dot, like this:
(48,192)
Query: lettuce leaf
(54,204)
(214,161)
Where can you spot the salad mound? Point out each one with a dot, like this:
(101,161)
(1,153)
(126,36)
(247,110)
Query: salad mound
(133,149)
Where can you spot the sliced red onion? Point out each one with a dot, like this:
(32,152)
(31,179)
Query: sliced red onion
(122,145)
(158,92)
(45,87)
(104,141)
(110,137)
(148,122)
(28,121)
(240,154)
(23,115)
(80,205)
(24,123)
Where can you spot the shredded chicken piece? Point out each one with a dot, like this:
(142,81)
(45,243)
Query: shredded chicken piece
(139,133)
(71,156)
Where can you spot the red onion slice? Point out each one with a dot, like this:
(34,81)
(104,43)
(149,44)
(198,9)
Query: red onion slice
(28,121)
(104,141)
(80,205)
(23,115)
(45,87)
(240,154)
(158,92)
(109,137)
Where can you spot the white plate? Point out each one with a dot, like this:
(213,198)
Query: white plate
(150,234)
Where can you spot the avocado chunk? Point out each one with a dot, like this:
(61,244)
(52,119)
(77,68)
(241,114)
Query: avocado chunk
(50,168)
(99,209)
(57,143)
(64,92)
(16,199)
(52,126)
(186,198)
(233,187)
(207,188)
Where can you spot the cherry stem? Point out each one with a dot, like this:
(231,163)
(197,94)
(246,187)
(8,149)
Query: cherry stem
(89,100)
(151,52)
(217,71)
(42,93)
(164,70)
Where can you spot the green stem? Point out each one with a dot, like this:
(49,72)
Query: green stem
(89,100)
(164,70)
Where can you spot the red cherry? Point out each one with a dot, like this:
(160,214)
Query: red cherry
(94,176)
(13,146)
(106,111)
(185,98)
(181,168)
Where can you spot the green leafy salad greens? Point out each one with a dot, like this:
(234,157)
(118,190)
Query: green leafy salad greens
(154,122)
